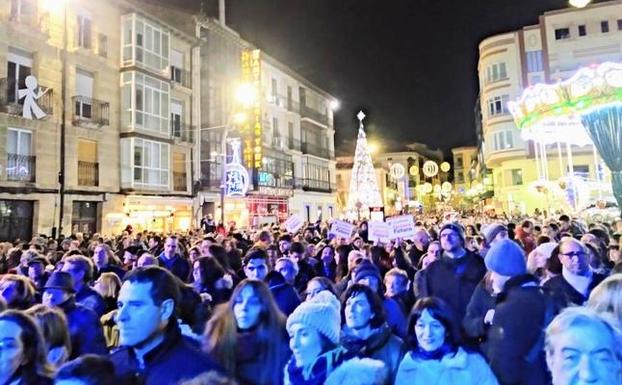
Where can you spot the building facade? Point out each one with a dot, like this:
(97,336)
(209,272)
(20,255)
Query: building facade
(110,69)
(552,50)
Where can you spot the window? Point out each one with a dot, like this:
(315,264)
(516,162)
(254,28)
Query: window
(145,43)
(496,72)
(619,24)
(517,176)
(604,26)
(289,97)
(20,164)
(273,89)
(534,61)
(177,64)
(102,45)
(562,33)
(83,29)
(19,67)
(458,162)
(151,165)
(498,105)
(84,91)
(19,142)
(582,30)
(176,114)
(581,171)
(502,140)
(459,177)
(23,10)
(145,102)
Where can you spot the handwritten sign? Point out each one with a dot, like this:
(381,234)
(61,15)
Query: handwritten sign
(342,229)
(379,231)
(402,226)
(293,223)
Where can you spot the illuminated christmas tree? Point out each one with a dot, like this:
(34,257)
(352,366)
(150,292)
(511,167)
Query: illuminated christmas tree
(364,191)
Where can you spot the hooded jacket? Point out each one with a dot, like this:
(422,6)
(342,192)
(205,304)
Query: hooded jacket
(461,368)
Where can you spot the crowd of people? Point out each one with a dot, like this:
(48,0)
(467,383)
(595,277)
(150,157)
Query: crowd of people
(462,302)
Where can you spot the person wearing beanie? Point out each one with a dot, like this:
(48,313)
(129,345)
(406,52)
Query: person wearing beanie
(514,326)
(495,232)
(455,275)
(314,329)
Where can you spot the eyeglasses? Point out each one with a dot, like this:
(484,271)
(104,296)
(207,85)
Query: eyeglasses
(574,254)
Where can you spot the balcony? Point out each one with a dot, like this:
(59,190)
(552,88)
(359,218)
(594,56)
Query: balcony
(293,106)
(322,152)
(182,132)
(181,77)
(295,144)
(306,112)
(88,173)
(180,182)
(315,185)
(11,104)
(90,112)
(21,168)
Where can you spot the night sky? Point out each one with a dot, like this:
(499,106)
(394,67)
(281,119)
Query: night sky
(411,65)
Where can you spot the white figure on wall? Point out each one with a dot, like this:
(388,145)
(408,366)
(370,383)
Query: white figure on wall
(30,95)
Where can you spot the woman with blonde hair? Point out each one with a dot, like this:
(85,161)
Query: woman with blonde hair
(247,336)
(108,286)
(53,324)
(607,297)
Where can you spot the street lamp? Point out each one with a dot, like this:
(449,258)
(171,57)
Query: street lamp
(579,3)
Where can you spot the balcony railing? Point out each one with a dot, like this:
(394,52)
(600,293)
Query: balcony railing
(88,173)
(12,104)
(21,168)
(315,185)
(295,144)
(307,112)
(183,132)
(322,152)
(181,76)
(180,182)
(90,111)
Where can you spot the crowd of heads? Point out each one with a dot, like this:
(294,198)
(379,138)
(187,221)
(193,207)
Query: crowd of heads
(264,306)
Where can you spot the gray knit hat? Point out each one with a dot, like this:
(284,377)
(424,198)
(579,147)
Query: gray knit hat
(322,312)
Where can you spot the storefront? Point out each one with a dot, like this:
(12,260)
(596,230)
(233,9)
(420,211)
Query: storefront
(16,220)
(151,213)
(267,209)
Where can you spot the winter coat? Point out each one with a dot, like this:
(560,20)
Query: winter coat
(473,323)
(454,280)
(91,299)
(562,290)
(359,371)
(517,325)
(26,377)
(395,317)
(249,362)
(461,368)
(285,295)
(306,272)
(178,266)
(318,372)
(381,345)
(175,359)
(85,330)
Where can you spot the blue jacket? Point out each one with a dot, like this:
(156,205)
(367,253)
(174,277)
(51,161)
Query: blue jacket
(178,266)
(85,330)
(175,359)
(91,299)
(285,295)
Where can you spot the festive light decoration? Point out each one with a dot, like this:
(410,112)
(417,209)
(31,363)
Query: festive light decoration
(364,192)
(236,177)
(397,171)
(413,170)
(445,167)
(430,168)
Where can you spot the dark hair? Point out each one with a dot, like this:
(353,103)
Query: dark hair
(440,311)
(564,218)
(553,264)
(220,254)
(286,238)
(542,239)
(89,369)
(526,223)
(297,247)
(163,284)
(211,271)
(265,236)
(255,253)
(378,317)
(326,283)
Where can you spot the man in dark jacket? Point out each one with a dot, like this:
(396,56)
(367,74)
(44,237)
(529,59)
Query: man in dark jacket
(455,275)
(305,270)
(81,270)
(171,261)
(153,351)
(577,279)
(85,330)
(514,344)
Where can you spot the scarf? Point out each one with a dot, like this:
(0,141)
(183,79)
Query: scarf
(437,354)
(318,374)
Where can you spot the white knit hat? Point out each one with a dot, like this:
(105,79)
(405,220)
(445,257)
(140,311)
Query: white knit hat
(322,312)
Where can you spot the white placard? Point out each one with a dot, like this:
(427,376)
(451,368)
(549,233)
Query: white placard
(379,231)
(402,226)
(342,229)
(293,223)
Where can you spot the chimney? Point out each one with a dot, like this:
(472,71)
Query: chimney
(221,11)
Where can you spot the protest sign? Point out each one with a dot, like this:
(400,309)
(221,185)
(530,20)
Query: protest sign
(293,223)
(379,231)
(402,226)
(342,229)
